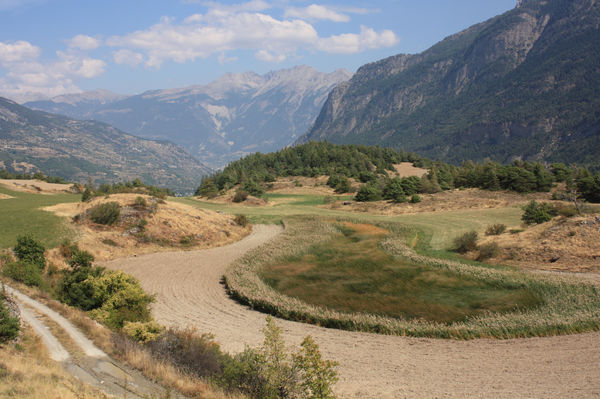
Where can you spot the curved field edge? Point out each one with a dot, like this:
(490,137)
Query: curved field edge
(569,305)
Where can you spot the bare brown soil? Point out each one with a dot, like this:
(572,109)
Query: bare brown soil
(173,226)
(189,293)
(5,196)
(452,200)
(36,186)
(566,245)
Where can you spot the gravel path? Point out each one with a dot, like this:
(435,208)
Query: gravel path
(94,367)
(189,293)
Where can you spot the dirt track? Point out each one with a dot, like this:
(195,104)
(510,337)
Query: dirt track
(371,366)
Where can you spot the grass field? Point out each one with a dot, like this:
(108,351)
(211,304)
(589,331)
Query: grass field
(352,273)
(21,214)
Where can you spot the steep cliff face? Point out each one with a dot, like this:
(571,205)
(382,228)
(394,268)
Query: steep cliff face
(525,84)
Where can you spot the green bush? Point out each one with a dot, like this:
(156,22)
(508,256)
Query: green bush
(394,191)
(143,332)
(495,229)
(9,326)
(86,195)
(368,192)
(24,272)
(487,251)
(140,203)
(30,251)
(107,213)
(466,242)
(76,288)
(415,199)
(240,195)
(535,212)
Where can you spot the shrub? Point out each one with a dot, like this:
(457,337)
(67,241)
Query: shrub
(143,332)
(535,212)
(107,213)
(394,191)
(241,220)
(86,195)
(415,199)
(240,195)
(487,251)
(495,229)
(80,258)
(140,203)
(368,192)
(194,354)
(317,376)
(24,272)
(568,211)
(30,251)
(76,288)
(466,242)
(9,325)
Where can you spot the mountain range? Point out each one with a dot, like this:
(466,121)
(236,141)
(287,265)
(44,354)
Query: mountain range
(236,115)
(522,85)
(76,150)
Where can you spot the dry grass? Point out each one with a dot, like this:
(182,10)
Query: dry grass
(569,305)
(27,372)
(5,196)
(173,226)
(571,245)
(407,169)
(36,186)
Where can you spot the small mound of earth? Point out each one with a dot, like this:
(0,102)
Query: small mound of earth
(157,226)
(571,245)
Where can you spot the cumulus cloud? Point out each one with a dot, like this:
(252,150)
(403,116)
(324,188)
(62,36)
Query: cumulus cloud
(84,42)
(239,27)
(128,57)
(27,77)
(350,43)
(17,52)
(316,12)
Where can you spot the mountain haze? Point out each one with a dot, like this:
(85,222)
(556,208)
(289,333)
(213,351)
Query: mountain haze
(231,117)
(80,150)
(522,85)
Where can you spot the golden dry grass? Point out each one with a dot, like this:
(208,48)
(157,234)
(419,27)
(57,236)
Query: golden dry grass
(406,169)
(166,228)
(35,186)
(27,372)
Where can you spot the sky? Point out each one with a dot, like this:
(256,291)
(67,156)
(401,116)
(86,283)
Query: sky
(54,47)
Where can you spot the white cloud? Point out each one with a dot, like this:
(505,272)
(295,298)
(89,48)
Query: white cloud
(84,42)
(26,74)
(128,57)
(239,27)
(224,59)
(17,52)
(350,43)
(264,55)
(316,12)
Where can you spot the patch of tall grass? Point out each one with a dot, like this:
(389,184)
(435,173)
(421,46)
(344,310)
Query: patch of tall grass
(568,305)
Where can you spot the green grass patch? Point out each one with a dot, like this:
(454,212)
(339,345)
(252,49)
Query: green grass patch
(22,215)
(352,273)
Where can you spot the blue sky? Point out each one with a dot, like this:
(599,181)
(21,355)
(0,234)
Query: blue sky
(52,47)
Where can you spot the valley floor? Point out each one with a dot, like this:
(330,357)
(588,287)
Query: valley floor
(189,293)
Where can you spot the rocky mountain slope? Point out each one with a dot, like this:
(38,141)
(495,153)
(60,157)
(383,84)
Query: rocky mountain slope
(81,150)
(525,84)
(231,117)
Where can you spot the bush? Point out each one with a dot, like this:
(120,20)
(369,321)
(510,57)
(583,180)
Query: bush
(535,212)
(24,272)
(466,242)
(86,195)
(568,211)
(317,376)
(76,288)
(368,192)
(415,199)
(495,229)
(240,196)
(394,191)
(30,251)
(143,332)
(241,220)
(9,326)
(487,251)
(140,203)
(107,213)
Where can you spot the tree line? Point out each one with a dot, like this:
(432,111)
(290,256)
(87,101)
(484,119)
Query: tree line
(373,167)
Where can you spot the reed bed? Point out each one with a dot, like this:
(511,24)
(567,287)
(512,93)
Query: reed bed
(568,304)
